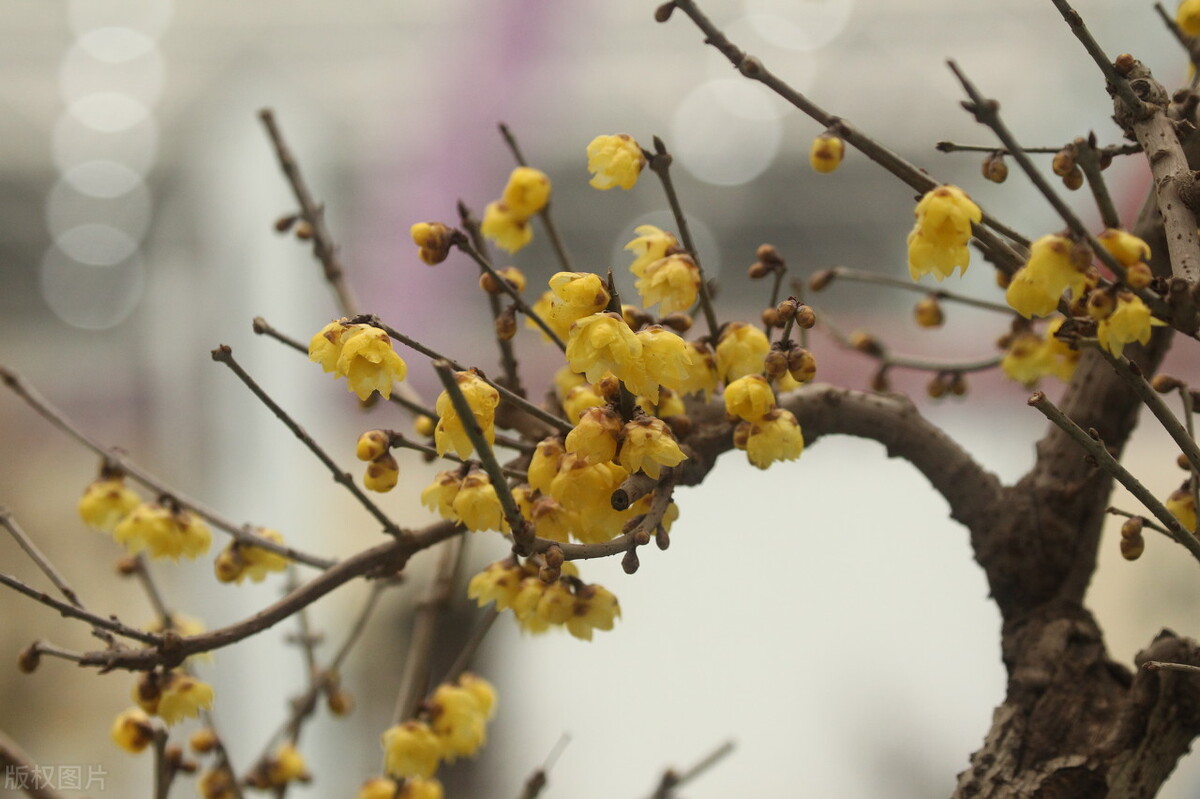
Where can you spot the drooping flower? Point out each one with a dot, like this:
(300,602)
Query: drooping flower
(938,241)
(1130,321)
(411,749)
(1054,264)
(1030,357)
(163,532)
(596,608)
(594,436)
(510,231)
(285,765)
(239,561)
(741,351)
(527,191)
(652,244)
(132,730)
(647,445)
(439,495)
(602,343)
(326,346)
(672,282)
(614,161)
(774,437)
(477,505)
(576,295)
(1187,16)
(1127,248)
(544,464)
(459,715)
(369,363)
(498,583)
(482,399)
(183,696)
(749,398)
(382,474)
(105,502)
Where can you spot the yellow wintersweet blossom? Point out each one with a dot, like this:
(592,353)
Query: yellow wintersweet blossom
(459,714)
(414,788)
(105,502)
(551,520)
(647,445)
(594,437)
(439,495)
(938,241)
(672,282)
(527,192)
(1030,357)
(741,350)
(1054,264)
(1182,505)
(326,346)
(482,399)
(575,295)
(510,231)
(545,463)
(652,244)
(749,398)
(826,153)
(703,375)
(1187,16)
(1130,321)
(245,560)
(433,240)
(666,358)
(411,749)
(602,343)
(369,363)
(161,532)
(1127,248)
(498,583)
(774,437)
(614,161)
(477,506)
(132,730)
(595,609)
(285,765)
(183,696)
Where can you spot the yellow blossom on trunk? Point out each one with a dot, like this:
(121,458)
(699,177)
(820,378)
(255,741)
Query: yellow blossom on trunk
(749,398)
(602,343)
(647,445)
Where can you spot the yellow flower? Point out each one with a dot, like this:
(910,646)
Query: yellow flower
(183,696)
(411,749)
(580,398)
(527,192)
(217,783)
(163,533)
(774,437)
(576,295)
(703,375)
(602,343)
(482,690)
(439,495)
(482,399)
(595,435)
(498,583)
(1029,357)
(373,444)
(565,380)
(286,765)
(544,464)
(1127,248)
(253,562)
(132,730)
(543,308)
(596,609)
(1182,505)
(826,153)
(476,504)
(369,363)
(666,358)
(434,240)
(669,404)
(614,161)
(586,487)
(647,445)
(674,282)
(938,241)
(1131,321)
(551,520)
(1187,16)
(326,346)
(652,244)
(749,398)
(509,230)
(382,474)
(106,502)
(741,350)
(460,719)
(379,788)
(1055,264)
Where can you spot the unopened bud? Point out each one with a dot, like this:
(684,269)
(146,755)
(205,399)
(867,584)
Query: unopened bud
(284,223)
(424,425)
(1163,383)
(994,168)
(1073,180)
(775,364)
(128,566)
(1132,548)
(549,575)
(757,270)
(769,256)
(936,387)
(1124,64)
(554,557)
(865,343)
(928,312)
(802,365)
(786,310)
(821,279)
(29,659)
(1182,462)
(826,153)
(1138,276)
(1132,527)
(1064,161)
(770,317)
(372,444)
(880,381)
(506,325)
(806,318)
(229,565)
(741,435)
(958,384)
(340,702)
(630,562)
(203,740)
(608,387)
(679,321)
(303,230)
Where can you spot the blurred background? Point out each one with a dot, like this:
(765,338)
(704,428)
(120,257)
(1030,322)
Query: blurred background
(825,615)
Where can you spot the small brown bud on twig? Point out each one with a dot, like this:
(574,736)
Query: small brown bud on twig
(1073,180)
(29,659)
(630,562)
(802,365)
(936,387)
(679,321)
(775,364)
(1182,462)
(663,12)
(928,312)
(1132,548)
(865,343)
(284,223)
(554,557)
(340,702)
(1064,161)
(880,381)
(1124,64)
(958,384)
(506,324)
(806,318)
(769,256)
(1162,383)
(303,230)
(821,279)
(1132,528)
(770,317)
(994,168)
(548,575)
(750,66)
(786,310)
(203,740)
(757,271)
(128,566)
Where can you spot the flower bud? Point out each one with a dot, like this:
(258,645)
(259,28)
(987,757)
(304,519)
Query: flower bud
(994,168)
(1064,161)
(340,702)
(1132,548)
(936,387)
(928,312)
(203,740)
(679,321)
(821,279)
(506,325)
(433,240)
(1132,528)
(382,473)
(229,565)
(806,318)
(880,381)
(1138,276)
(1182,462)
(757,270)
(284,223)
(826,153)
(1073,180)
(775,363)
(303,230)
(630,562)
(29,659)
(371,445)
(958,384)
(786,310)
(1100,304)
(865,343)
(802,365)
(424,425)
(770,317)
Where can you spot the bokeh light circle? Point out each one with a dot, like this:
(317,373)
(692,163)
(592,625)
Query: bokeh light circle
(90,296)
(725,132)
(69,207)
(799,24)
(75,143)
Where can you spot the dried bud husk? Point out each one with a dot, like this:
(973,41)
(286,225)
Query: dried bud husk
(994,167)
(821,279)
(741,435)
(1100,304)
(928,312)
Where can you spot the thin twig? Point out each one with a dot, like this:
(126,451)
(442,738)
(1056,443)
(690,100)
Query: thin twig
(471,646)
(1115,79)
(47,648)
(1162,665)
(671,779)
(860,276)
(111,455)
(522,535)
(1088,159)
(560,249)
(516,399)
(398,440)
(888,360)
(224,354)
(323,246)
(72,611)
(955,147)
(660,164)
(537,780)
(142,570)
(465,246)
(1105,460)
(18,765)
(1145,522)
(1152,400)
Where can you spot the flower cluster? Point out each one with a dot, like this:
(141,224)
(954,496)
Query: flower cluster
(453,725)
(666,275)
(566,602)
(506,221)
(938,241)
(1055,264)
(362,354)
(767,433)
(106,501)
(615,161)
(433,240)
(383,471)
